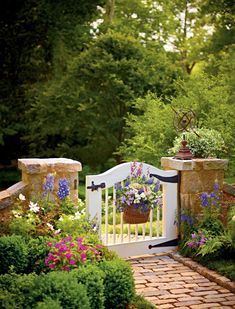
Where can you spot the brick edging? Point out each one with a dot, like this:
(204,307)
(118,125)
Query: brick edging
(209,274)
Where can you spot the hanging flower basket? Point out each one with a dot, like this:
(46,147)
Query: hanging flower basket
(132,215)
(137,195)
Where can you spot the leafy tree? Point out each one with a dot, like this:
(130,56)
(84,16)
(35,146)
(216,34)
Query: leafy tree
(36,39)
(209,97)
(150,132)
(83,114)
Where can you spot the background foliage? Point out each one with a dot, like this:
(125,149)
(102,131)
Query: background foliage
(94,80)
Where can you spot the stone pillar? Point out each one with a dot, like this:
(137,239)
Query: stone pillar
(34,172)
(196,176)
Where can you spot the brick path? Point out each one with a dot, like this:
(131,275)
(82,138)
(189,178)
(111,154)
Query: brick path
(168,283)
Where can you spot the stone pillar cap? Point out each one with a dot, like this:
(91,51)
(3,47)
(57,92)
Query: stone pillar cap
(194,164)
(37,166)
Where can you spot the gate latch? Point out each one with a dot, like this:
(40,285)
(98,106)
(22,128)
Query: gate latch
(94,187)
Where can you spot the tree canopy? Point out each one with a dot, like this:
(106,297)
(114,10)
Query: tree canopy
(95,79)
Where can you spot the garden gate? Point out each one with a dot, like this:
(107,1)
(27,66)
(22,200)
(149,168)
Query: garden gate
(157,235)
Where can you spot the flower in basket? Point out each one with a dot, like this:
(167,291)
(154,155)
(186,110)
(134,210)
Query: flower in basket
(139,193)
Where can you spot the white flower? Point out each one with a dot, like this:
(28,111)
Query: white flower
(77,215)
(142,195)
(50,226)
(34,207)
(61,218)
(22,197)
(233,218)
(16,214)
(57,231)
(142,34)
(134,15)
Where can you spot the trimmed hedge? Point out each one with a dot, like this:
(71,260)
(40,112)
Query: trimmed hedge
(62,287)
(119,284)
(38,250)
(108,284)
(93,278)
(13,254)
(16,291)
(49,303)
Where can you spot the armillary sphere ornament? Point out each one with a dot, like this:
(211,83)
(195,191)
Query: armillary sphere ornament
(184,121)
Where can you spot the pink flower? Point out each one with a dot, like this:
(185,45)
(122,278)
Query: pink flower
(72,262)
(82,247)
(68,255)
(68,238)
(52,265)
(83,257)
(65,268)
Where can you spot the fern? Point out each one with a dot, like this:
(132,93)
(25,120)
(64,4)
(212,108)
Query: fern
(216,244)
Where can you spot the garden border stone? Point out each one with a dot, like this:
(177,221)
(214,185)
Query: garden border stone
(204,271)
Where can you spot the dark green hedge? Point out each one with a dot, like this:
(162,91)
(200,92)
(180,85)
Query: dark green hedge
(107,285)
(119,283)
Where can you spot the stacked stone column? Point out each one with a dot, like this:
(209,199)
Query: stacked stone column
(196,176)
(35,171)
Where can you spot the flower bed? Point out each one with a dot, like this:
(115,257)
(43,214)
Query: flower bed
(51,257)
(208,240)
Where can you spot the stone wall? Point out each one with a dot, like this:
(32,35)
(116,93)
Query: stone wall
(196,176)
(34,172)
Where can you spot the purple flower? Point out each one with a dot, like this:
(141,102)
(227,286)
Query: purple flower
(139,170)
(48,186)
(118,186)
(204,199)
(187,219)
(143,178)
(149,181)
(191,244)
(157,187)
(63,189)
(216,187)
(127,182)
(123,199)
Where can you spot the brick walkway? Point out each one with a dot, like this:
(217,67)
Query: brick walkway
(168,283)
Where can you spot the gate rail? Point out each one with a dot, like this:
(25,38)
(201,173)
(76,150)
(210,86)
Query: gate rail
(119,236)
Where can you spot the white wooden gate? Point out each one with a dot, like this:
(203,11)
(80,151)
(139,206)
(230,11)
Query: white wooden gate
(132,239)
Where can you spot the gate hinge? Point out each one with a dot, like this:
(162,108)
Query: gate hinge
(94,187)
(169,243)
(170,179)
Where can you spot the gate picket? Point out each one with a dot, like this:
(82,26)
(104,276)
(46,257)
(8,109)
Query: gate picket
(132,244)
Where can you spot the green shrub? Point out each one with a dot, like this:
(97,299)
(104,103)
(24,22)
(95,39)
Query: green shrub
(13,253)
(231,223)
(63,287)
(206,143)
(49,303)
(212,225)
(141,303)
(21,226)
(118,282)
(92,277)
(17,291)
(38,250)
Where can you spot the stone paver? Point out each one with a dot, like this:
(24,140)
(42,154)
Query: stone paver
(168,283)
